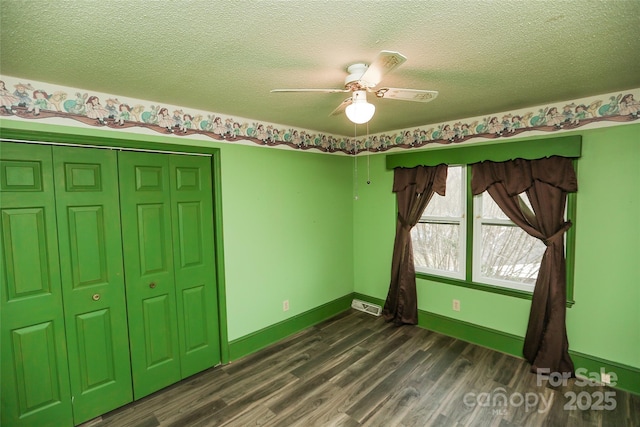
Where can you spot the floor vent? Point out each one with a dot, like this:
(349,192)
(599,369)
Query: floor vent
(376,310)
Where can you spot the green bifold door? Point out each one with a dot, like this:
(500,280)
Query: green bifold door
(168,258)
(108,288)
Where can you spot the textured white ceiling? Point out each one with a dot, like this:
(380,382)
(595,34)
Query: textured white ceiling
(225,56)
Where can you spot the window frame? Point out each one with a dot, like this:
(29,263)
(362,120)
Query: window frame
(462,233)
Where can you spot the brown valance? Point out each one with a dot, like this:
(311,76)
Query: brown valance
(422,178)
(556,171)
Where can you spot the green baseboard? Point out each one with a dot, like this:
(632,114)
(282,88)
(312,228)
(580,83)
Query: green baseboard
(628,376)
(271,334)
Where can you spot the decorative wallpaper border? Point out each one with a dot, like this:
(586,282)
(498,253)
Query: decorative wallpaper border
(31,100)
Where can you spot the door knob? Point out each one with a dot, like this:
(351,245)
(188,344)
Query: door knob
(95,297)
(152,285)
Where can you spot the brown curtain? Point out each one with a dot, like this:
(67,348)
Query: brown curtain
(414,188)
(546,182)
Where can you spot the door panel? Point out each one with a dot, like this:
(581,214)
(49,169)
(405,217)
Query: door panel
(87,237)
(95,346)
(37,379)
(35,376)
(152,238)
(195,319)
(151,300)
(192,216)
(160,345)
(27,258)
(86,182)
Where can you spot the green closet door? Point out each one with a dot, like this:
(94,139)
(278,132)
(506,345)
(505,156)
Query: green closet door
(88,211)
(35,377)
(149,275)
(193,254)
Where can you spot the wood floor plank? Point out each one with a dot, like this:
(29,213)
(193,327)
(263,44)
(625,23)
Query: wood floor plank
(343,420)
(308,338)
(365,407)
(323,324)
(507,370)
(190,417)
(451,353)
(632,413)
(201,390)
(256,415)
(454,404)
(401,401)
(129,419)
(367,364)
(307,386)
(305,406)
(383,335)
(360,386)
(331,414)
(335,350)
(431,404)
(246,402)
(248,379)
(355,369)
(335,331)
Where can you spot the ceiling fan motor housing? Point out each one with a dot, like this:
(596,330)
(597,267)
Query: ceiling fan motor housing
(355,73)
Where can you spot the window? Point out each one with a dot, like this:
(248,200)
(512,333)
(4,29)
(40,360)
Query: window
(449,232)
(439,237)
(467,241)
(504,254)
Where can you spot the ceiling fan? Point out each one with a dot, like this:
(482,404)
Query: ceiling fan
(364,78)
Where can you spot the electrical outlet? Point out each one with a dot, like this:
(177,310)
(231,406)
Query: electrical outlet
(605,378)
(456,305)
(285,305)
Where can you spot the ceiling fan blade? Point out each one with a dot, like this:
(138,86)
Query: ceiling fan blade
(340,108)
(312,90)
(406,94)
(385,61)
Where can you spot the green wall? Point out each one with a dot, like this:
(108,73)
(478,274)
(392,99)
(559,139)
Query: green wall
(605,320)
(287,225)
(293,230)
(287,233)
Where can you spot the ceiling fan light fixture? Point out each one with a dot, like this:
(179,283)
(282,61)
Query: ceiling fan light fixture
(360,111)
(363,78)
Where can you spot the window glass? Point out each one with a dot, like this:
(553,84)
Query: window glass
(502,253)
(436,246)
(490,209)
(438,239)
(451,204)
(509,254)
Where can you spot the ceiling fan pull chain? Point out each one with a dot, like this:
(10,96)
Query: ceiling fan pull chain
(368,154)
(355,162)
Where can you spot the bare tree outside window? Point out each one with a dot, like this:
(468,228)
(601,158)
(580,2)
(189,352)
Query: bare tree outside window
(507,252)
(438,239)
(503,254)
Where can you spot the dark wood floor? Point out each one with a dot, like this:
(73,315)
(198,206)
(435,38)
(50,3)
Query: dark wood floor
(355,370)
